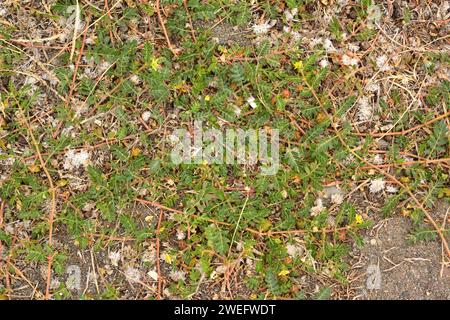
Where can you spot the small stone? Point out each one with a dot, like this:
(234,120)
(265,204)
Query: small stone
(146,115)
(294,250)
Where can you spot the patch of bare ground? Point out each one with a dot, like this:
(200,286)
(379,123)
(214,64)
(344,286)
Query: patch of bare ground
(390,266)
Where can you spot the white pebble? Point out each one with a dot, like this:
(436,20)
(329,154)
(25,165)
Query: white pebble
(146,115)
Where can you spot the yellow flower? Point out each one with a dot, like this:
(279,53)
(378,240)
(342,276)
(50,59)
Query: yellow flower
(154,64)
(359,219)
(181,86)
(168,259)
(444,192)
(298,65)
(405,179)
(62,183)
(34,168)
(406,212)
(265,225)
(222,49)
(135,151)
(321,117)
(207,98)
(283,272)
